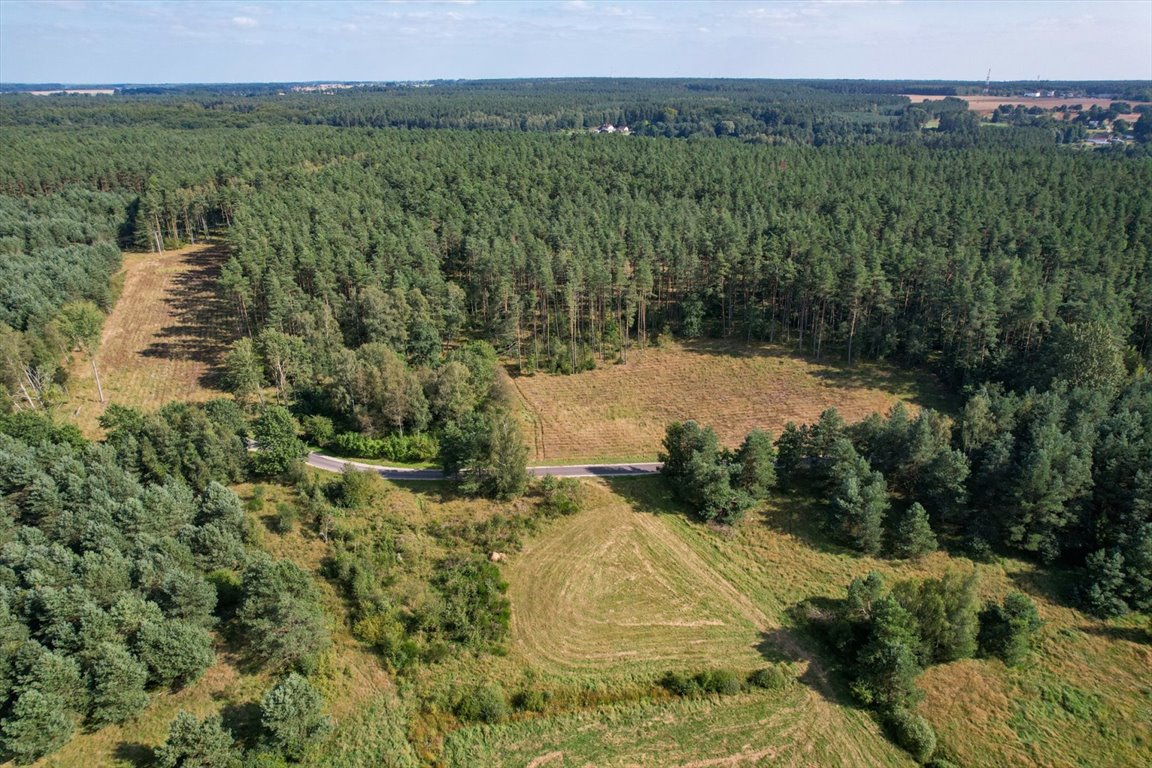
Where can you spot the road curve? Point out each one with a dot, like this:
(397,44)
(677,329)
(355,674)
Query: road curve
(333,464)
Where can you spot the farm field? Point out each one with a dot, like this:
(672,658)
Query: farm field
(986,105)
(163,339)
(621,411)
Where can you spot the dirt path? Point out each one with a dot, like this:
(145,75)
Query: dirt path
(164,338)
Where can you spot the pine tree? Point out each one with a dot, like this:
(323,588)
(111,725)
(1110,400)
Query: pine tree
(196,743)
(913,536)
(292,714)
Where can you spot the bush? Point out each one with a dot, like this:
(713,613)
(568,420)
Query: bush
(1006,628)
(777,677)
(912,732)
(680,684)
(319,429)
(286,516)
(563,496)
(410,448)
(722,681)
(482,704)
(532,700)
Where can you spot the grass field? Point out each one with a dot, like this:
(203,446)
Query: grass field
(620,411)
(163,339)
(605,601)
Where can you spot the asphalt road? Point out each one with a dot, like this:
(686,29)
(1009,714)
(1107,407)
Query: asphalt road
(332,464)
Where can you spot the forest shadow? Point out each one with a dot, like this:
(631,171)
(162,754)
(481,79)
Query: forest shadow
(650,495)
(1052,585)
(798,517)
(200,334)
(242,720)
(1139,635)
(135,753)
(781,645)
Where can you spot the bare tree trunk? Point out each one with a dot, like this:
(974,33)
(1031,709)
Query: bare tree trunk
(96,375)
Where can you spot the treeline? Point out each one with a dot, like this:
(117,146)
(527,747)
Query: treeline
(1062,474)
(566,253)
(57,257)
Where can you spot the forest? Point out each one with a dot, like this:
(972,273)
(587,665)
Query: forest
(395,254)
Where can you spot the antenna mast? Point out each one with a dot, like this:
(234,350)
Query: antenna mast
(988,81)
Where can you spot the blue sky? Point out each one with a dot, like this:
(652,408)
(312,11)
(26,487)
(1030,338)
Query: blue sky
(156,41)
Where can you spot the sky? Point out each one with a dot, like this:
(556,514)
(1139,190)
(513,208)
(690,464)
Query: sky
(180,41)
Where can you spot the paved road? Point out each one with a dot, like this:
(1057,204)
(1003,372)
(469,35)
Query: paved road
(333,464)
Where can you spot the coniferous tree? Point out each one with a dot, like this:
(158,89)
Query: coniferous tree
(912,536)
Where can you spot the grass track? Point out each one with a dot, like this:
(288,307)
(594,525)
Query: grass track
(163,339)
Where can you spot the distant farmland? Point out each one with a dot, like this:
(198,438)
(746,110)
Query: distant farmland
(986,105)
(620,411)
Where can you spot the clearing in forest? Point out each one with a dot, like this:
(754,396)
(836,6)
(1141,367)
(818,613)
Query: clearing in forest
(621,411)
(164,338)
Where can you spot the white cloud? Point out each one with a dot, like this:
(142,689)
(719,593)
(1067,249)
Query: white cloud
(244,21)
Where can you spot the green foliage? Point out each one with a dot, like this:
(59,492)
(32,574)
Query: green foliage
(37,725)
(1006,629)
(912,732)
(277,446)
(757,459)
(486,454)
(912,537)
(560,496)
(701,475)
(104,571)
(176,652)
(319,429)
(777,677)
(406,448)
(360,489)
(280,617)
(945,611)
(723,682)
(859,500)
(482,704)
(292,715)
(118,681)
(196,743)
(474,610)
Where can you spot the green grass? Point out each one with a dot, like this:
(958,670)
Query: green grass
(781,729)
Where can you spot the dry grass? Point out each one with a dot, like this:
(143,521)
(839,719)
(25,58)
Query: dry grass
(621,411)
(164,338)
(611,589)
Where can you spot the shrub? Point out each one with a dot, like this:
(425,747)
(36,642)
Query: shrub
(411,448)
(680,684)
(1006,629)
(286,516)
(563,496)
(912,732)
(532,700)
(482,704)
(319,429)
(777,677)
(722,681)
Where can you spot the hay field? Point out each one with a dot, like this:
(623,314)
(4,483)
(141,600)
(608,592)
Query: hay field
(612,589)
(621,411)
(163,339)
